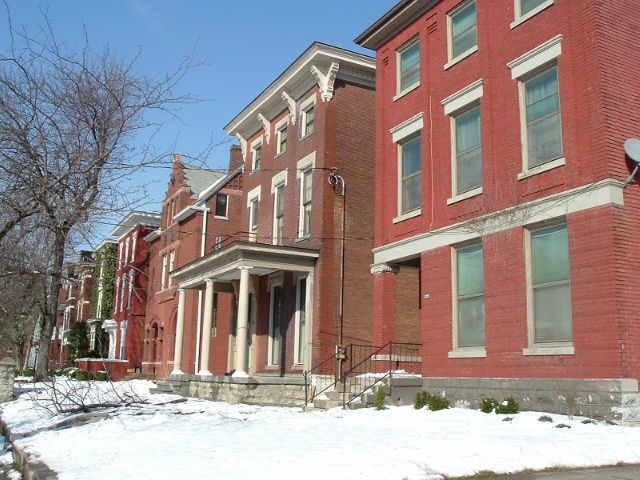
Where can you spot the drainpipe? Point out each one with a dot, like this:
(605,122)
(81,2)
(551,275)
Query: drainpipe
(204,210)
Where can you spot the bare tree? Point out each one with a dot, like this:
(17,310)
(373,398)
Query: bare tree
(70,129)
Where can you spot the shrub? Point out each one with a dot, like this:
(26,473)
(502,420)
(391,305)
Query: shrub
(508,406)
(101,377)
(80,375)
(562,425)
(488,405)
(434,402)
(587,421)
(28,372)
(545,418)
(380,396)
(68,371)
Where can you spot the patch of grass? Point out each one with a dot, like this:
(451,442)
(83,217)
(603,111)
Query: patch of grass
(562,425)
(545,418)
(587,421)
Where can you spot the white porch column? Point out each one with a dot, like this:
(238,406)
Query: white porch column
(205,347)
(177,352)
(243,324)
(308,343)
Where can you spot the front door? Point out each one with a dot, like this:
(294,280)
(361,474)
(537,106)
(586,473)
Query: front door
(275,325)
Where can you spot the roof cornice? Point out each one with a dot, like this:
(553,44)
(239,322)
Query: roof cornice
(134,219)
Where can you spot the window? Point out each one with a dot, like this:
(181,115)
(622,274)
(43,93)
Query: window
(123,288)
(527,6)
(221,205)
(253,215)
(469,286)
(306,197)
(550,285)
(163,278)
(282,134)
(301,322)
(463,33)
(116,296)
(257,156)
(134,243)
(278,222)
(172,264)
(542,116)
(308,118)
(120,255)
(130,294)
(410,175)
(468,151)
(126,251)
(409,66)
(123,340)
(275,325)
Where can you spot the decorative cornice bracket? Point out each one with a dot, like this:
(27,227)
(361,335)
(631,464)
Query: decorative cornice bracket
(326,81)
(291,104)
(379,268)
(266,125)
(243,145)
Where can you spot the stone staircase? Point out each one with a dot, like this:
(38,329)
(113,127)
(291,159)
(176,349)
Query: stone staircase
(171,386)
(398,390)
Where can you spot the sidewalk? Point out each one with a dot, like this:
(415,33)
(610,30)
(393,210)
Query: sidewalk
(631,472)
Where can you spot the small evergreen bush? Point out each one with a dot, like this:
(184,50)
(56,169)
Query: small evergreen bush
(29,372)
(434,402)
(488,405)
(80,375)
(562,425)
(508,406)
(545,418)
(101,377)
(380,396)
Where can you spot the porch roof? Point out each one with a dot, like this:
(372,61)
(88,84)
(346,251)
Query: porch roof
(223,265)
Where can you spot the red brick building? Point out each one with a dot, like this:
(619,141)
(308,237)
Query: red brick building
(201,210)
(126,328)
(308,146)
(501,188)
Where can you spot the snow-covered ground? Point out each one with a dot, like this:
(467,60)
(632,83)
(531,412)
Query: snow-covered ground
(198,439)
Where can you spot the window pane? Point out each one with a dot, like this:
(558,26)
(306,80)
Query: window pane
(410,66)
(302,306)
(550,252)
(221,205)
(307,186)
(469,151)
(309,118)
(411,157)
(544,140)
(280,201)
(411,193)
(471,321)
(470,270)
(306,225)
(528,5)
(275,330)
(552,311)
(464,30)
(542,95)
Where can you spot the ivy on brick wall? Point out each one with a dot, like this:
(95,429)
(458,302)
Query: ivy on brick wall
(105,257)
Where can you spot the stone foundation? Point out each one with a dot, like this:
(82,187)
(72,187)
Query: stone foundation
(7,377)
(259,390)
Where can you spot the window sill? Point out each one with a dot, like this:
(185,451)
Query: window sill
(408,215)
(304,137)
(278,155)
(468,352)
(254,171)
(460,57)
(532,13)
(550,349)
(297,366)
(558,162)
(220,218)
(464,196)
(272,367)
(402,93)
(304,237)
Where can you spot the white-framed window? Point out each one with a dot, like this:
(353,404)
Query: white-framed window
(304,174)
(468,307)
(172,264)
(408,67)
(253,204)
(256,154)
(222,200)
(541,127)
(282,134)
(127,245)
(462,31)
(130,294)
(116,296)
(123,289)
(525,9)
(308,116)
(134,244)
(120,254)
(278,214)
(407,138)
(541,98)
(275,322)
(549,286)
(163,275)
(123,340)
(301,321)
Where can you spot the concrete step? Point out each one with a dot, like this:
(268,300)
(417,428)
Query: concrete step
(326,404)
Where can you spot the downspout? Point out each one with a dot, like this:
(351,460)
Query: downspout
(204,210)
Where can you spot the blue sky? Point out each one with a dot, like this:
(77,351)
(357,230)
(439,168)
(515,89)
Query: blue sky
(244,45)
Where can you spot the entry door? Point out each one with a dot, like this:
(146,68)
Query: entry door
(275,325)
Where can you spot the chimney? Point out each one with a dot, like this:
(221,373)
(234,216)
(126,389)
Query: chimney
(177,158)
(235,157)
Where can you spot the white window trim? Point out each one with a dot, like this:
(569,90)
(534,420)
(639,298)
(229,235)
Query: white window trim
(453,60)
(123,340)
(464,196)
(535,58)
(255,143)
(172,265)
(542,348)
(304,164)
(116,296)
(163,276)
(530,172)
(130,292)
(457,351)
(226,217)
(280,126)
(254,195)
(463,97)
(304,108)
(410,88)
(134,243)
(519,18)
(398,134)
(296,348)
(273,282)
(274,187)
